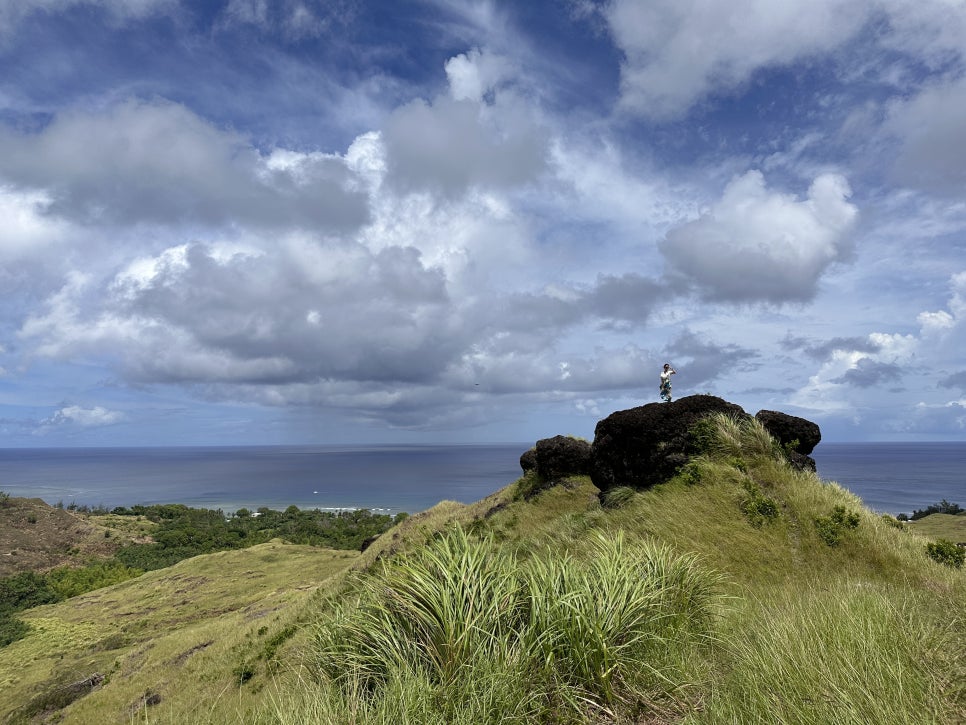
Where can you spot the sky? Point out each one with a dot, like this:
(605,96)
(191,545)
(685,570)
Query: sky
(241,222)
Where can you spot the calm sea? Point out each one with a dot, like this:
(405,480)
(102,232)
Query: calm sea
(889,477)
(896,478)
(389,479)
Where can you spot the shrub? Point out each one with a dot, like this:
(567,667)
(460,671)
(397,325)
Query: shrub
(691,473)
(832,528)
(757,507)
(12,629)
(946,552)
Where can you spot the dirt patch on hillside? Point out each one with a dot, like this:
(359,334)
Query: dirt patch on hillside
(37,537)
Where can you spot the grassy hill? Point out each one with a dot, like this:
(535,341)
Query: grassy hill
(740,591)
(38,537)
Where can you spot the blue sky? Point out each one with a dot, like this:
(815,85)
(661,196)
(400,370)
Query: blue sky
(301,221)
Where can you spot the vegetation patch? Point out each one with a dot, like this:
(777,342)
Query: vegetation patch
(946,552)
(756,506)
(465,614)
(832,528)
(943,507)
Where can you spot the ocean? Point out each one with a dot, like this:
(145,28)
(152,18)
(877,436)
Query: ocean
(889,477)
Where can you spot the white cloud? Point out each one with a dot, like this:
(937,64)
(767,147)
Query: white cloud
(677,52)
(82,417)
(758,245)
(158,162)
(27,230)
(475,73)
(450,145)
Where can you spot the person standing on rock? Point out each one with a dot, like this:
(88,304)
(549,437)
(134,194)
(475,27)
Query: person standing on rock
(666,382)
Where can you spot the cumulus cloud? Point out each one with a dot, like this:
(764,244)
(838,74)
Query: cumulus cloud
(956,380)
(474,74)
(27,229)
(867,373)
(706,360)
(676,53)
(451,145)
(946,327)
(931,128)
(159,162)
(757,245)
(74,415)
(822,350)
(309,312)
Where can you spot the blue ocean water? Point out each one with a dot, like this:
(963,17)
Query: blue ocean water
(388,479)
(896,478)
(889,477)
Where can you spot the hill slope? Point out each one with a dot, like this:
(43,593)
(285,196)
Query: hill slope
(769,596)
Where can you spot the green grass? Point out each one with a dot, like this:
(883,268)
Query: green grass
(712,598)
(180,634)
(940,526)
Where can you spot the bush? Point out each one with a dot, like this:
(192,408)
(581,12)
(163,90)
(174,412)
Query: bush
(12,629)
(757,507)
(832,528)
(946,552)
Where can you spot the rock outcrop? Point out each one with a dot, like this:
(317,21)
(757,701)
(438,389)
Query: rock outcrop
(562,456)
(528,461)
(797,435)
(644,446)
(787,429)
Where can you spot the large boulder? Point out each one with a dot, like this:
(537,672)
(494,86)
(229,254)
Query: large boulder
(561,456)
(788,429)
(528,461)
(644,446)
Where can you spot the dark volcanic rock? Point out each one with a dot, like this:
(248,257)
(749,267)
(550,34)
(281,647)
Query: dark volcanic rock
(561,456)
(787,428)
(528,461)
(644,446)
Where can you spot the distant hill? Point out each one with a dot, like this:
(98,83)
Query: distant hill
(36,537)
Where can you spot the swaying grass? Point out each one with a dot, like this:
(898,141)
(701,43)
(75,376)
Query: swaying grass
(850,655)
(464,632)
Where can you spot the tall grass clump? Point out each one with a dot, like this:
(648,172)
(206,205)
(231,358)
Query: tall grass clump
(620,628)
(729,436)
(855,655)
(431,613)
(464,632)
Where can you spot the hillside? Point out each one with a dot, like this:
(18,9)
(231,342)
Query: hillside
(741,589)
(38,537)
